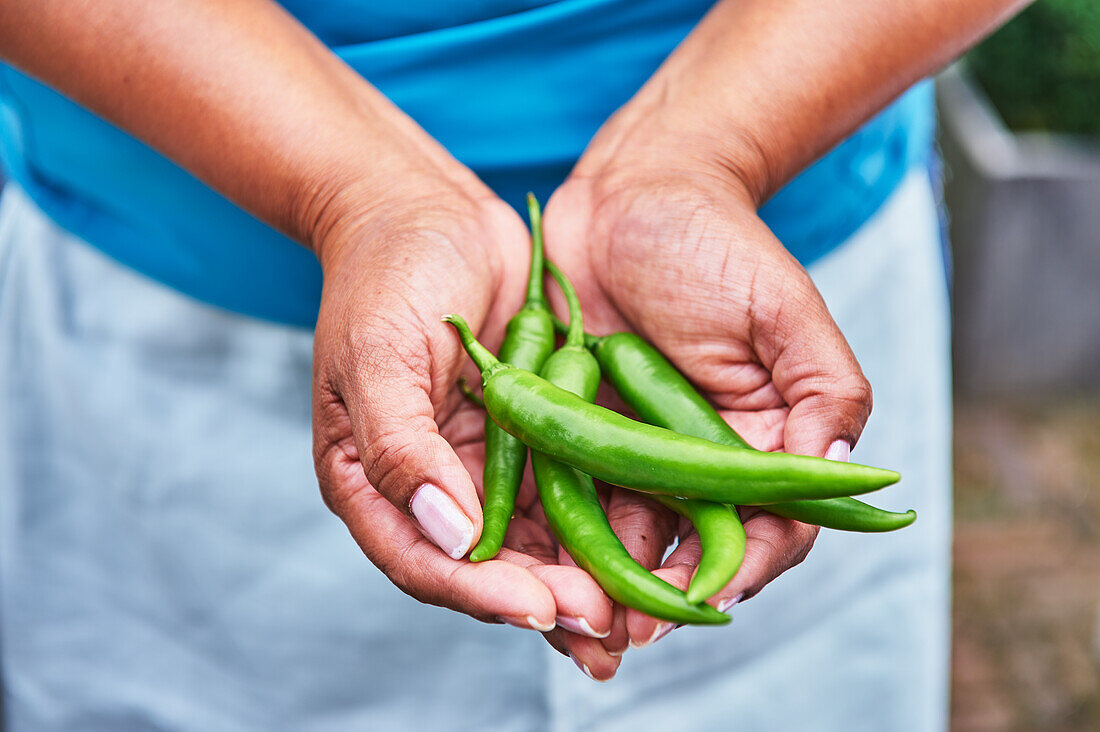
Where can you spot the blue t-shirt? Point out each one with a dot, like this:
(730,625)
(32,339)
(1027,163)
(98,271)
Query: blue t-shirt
(513,88)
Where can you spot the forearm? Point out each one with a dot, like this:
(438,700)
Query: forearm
(237,92)
(762,88)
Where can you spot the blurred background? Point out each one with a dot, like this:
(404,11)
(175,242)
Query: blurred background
(1020,134)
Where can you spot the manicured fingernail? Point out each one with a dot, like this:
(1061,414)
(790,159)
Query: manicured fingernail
(839,450)
(659,632)
(730,602)
(442,520)
(580,626)
(582,667)
(665,630)
(529,622)
(616,654)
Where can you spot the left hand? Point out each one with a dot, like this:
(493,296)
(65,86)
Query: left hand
(660,239)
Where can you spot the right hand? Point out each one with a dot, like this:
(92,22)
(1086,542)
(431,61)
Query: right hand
(394,444)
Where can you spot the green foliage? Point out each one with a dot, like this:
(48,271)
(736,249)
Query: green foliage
(1042,69)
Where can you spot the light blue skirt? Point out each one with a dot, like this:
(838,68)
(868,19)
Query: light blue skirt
(166,561)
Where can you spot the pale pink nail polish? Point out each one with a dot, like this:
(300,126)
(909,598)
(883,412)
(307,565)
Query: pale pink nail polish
(839,451)
(579,626)
(660,631)
(730,602)
(583,667)
(528,622)
(442,520)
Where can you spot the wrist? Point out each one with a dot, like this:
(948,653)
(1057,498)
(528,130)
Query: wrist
(352,210)
(439,228)
(659,134)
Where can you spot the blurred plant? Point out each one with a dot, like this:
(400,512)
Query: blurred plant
(1042,69)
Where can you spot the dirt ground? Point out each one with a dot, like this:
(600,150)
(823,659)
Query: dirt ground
(1027,567)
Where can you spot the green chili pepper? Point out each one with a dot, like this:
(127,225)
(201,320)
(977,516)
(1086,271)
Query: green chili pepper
(722,538)
(660,395)
(528,342)
(573,509)
(632,372)
(622,451)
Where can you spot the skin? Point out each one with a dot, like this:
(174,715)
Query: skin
(241,95)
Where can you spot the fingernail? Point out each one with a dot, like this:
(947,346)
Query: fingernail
(580,626)
(659,632)
(616,654)
(730,602)
(662,632)
(529,622)
(442,520)
(582,667)
(839,450)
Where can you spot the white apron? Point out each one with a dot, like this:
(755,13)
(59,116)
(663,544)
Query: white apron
(166,561)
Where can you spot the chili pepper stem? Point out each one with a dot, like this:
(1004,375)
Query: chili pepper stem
(591,342)
(469,394)
(535,294)
(485,361)
(574,335)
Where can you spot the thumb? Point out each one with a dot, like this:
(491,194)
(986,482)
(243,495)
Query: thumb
(403,455)
(818,376)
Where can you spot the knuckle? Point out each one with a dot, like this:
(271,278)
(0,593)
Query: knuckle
(386,464)
(855,388)
(333,465)
(401,569)
(802,543)
(785,543)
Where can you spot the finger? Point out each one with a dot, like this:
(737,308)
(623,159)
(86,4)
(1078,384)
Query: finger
(386,394)
(582,606)
(816,372)
(588,654)
(527,540)
(643,630)
(645,528)
(487,591)
(773,545)
(618,640)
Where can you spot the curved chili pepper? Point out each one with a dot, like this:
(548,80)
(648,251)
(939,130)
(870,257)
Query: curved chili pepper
(660,395)
(573,509)
(643,380)
(721,538)
(622,451)
(528,342)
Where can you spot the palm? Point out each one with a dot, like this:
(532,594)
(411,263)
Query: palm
(695,271)
(674,277)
